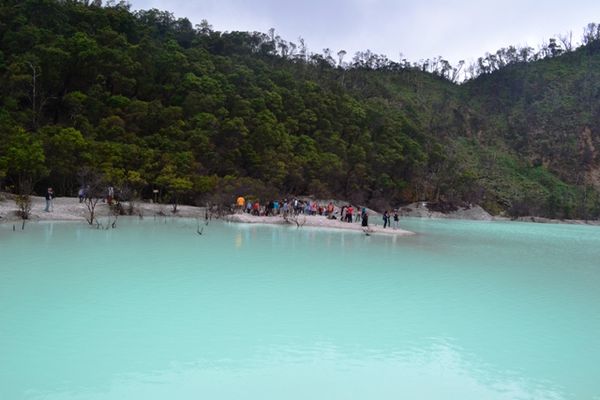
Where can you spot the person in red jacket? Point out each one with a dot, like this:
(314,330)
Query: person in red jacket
(256,208)
(349,213)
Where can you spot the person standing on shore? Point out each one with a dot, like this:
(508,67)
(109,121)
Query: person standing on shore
(81,194)
(396,219)
(285,208)
(365,218)
(49,200)
(240,201)
(386,218)
(349,213)
(330,210)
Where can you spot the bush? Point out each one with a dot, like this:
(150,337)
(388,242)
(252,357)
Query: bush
(23,201)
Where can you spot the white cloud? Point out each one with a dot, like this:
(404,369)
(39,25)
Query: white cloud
(456,30)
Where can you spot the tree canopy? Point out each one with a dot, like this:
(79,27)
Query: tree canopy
(143,96)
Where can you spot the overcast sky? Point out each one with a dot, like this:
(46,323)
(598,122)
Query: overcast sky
(456,30)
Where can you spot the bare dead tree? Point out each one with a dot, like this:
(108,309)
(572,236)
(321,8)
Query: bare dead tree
(129,195)
(90,203)
(94,192)
(38,100)
(295,219)
(23,200)
(567,41)
(35,74)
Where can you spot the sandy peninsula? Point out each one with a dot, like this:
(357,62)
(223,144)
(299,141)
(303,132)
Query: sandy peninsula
(316,221)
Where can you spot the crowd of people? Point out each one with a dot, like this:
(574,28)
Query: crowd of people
(83,194)
(107,197)
(294,207)
(347,213)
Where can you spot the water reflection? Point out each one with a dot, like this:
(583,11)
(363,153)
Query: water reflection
(238,240)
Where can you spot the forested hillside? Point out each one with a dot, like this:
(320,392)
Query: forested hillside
(145,101)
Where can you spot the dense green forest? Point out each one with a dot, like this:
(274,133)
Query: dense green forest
(142,101)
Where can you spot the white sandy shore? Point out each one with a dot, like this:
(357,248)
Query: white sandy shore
(317,221)
(70,209)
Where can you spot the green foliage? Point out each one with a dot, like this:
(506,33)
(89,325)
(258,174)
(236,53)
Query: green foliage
(24,159)
(149,101)
(176,185)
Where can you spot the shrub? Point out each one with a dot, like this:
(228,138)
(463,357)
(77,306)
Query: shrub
(23,201)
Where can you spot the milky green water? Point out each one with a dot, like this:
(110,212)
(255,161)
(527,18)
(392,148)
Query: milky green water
(152,310)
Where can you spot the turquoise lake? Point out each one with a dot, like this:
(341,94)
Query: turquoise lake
(152,310)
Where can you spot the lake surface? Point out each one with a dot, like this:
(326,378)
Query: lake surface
(152,310)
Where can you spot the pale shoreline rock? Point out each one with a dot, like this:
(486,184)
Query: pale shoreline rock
(420,210)
(475,212)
